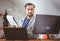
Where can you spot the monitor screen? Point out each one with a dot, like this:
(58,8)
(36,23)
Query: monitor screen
(46,24)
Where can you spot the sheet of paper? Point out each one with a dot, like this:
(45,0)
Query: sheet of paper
(11,20)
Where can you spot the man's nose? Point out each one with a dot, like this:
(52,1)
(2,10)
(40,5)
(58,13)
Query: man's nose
(30,11)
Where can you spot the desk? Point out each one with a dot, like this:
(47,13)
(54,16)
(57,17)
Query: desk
(1,27)
(6,27)
(27,40)
(19,40)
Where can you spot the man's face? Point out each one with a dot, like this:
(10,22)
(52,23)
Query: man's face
(29,10)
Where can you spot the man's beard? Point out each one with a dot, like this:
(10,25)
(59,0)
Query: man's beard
(30,15)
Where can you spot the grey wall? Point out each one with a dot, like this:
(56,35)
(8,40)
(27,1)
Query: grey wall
(4,4)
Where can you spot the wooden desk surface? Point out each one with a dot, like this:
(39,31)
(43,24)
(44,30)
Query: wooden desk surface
(23,40)
(1,26)
(6,27)
(27,40)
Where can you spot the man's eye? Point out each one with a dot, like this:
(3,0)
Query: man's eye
(31,9)
(28,9)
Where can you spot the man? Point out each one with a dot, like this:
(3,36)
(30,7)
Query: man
(28,21)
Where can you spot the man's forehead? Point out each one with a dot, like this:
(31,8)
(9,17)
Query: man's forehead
(30,6)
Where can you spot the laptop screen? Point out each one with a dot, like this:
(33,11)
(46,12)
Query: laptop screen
(46,24)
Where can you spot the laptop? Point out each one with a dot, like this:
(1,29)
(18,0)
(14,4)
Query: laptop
(46,24)
(15,33)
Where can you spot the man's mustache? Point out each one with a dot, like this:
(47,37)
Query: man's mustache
(30,13)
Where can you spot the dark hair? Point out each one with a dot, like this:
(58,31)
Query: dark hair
(29,4)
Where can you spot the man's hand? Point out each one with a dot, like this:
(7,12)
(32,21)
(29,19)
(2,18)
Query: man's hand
(2,36)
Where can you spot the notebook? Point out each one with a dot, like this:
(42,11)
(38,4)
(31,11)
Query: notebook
(12,21)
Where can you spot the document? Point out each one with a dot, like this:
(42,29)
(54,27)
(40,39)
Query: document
(11,20)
